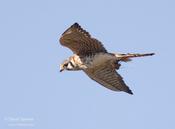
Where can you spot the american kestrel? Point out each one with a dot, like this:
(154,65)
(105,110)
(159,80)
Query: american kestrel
(92,57)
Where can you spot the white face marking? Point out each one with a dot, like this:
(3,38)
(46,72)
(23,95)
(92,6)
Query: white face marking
(74,63)
(69,66)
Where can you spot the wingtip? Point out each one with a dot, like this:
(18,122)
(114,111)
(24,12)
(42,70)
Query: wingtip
(76,25)
(152,54)
(130,92)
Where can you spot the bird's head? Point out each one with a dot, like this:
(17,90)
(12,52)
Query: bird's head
(66,65)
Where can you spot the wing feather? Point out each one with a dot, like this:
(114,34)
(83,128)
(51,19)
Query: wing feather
(80,41)
(106,75)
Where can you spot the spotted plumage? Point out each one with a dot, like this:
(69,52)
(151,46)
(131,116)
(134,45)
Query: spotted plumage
(91,57)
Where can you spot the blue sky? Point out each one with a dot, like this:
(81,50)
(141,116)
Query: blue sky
(32,88)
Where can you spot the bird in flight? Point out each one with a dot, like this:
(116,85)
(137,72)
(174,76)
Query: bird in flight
(91,57)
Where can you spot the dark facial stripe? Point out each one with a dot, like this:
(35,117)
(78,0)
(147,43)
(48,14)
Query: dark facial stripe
(72,64)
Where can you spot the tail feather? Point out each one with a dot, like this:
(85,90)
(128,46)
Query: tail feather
(126,57)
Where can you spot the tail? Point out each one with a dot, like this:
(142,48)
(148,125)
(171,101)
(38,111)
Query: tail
(127,57)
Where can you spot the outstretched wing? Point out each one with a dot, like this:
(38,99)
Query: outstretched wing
(106,75)
(80,41)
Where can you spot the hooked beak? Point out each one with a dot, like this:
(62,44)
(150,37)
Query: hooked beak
(61,70)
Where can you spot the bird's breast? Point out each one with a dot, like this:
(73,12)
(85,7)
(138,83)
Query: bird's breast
(91,61)
(97,59)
